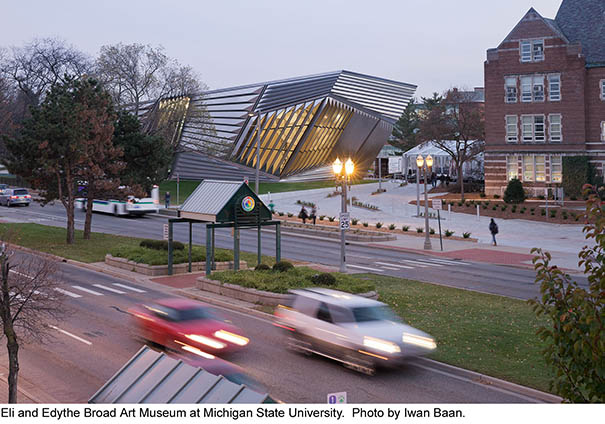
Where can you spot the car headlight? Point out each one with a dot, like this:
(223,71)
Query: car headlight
(231,338)
(425,342)
(381,345)
(206,341)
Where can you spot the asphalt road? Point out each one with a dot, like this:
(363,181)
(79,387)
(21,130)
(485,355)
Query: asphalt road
(97,338)
(479,276)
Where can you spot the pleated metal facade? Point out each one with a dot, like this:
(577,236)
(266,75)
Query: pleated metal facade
(304,123)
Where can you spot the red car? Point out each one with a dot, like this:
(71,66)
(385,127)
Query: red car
(178,323)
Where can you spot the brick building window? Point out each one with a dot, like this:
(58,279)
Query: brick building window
(512,131)
(512,165)
(540,165)
(602,89)
(528,168)
(510,86)
(539,130)
(531,50)
(532,129)
(602,130)
(538,88)
(554,87)
(556,169)
(526,84)
(554,128)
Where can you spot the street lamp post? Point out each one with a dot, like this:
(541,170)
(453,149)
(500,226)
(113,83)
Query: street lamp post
(337,167)
(426,165)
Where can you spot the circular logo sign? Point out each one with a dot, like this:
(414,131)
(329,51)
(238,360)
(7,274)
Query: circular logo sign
(248,204)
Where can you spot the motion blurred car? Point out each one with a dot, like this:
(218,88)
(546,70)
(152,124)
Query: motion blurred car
(362,333)
(3,187)
(178,322)
(15,196)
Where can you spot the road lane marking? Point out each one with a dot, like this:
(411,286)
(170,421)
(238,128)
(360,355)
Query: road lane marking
(427,263)
(80,339)
(87,290)
(390,269)
(21,274)
(447,262)
(418,264)
(128,288)
(395,265)
(359,256)
(366,268)
(101,286)
(68,293)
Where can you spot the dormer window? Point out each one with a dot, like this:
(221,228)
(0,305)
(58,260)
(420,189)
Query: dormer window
(531,50)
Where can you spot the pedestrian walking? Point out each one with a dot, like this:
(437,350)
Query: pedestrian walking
(434,179)
(167,199)
(493,228)
(303,215)
(313,214)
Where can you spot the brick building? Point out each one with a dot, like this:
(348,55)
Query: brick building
(545,97)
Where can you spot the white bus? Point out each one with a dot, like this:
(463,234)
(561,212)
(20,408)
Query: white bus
(132,206)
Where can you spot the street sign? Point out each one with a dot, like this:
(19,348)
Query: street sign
(345,220)
(395,165)
(338,397)
(437,204)
(165,231)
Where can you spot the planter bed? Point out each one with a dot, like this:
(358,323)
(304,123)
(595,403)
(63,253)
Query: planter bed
(159,270)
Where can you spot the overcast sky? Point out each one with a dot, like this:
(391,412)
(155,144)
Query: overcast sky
(435,44)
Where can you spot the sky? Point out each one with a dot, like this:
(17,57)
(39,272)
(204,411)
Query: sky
(434,44)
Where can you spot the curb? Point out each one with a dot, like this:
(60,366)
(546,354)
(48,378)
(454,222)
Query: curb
(225,304)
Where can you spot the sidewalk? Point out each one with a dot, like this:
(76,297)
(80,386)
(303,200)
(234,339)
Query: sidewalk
(515,239)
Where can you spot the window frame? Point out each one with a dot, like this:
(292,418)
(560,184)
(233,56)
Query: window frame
(602,89)
(537,80)
(550,131)
(512,161)
(529,55)
(543,172)
(529,93)
(533,168)
(510,137)
(523,139)
(527,58)
(543,140)
(507,99)
(549,77)
(560,165)
(602,130)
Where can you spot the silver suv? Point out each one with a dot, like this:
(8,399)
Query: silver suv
(361,333)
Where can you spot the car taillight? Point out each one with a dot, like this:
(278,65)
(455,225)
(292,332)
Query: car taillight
(28,197)
(14,197)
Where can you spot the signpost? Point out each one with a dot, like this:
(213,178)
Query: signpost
(438,205)
(338,397)
(345,220)
(165,231)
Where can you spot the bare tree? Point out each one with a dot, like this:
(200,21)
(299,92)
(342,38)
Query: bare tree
(456,125)
(40,64)
(29,305)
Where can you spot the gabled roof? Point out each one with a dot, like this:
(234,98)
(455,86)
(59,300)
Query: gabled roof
(153,377)
(583,21)
(211,196)
(533,15)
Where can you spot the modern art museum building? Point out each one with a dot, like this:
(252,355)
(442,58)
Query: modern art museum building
(304,124)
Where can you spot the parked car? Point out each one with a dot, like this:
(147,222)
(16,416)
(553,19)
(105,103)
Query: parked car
(15,196)
(361,333)
(178,322)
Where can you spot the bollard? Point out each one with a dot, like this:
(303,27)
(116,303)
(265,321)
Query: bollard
(478,217)
(449,211)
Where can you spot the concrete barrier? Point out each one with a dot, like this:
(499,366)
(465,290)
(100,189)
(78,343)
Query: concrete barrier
(159,270)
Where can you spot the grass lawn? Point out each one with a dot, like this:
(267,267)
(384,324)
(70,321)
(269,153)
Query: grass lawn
(489,334)
(187,187)
(52,240)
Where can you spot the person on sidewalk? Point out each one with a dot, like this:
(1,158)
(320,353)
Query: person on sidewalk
(303,215)
(313,214)
(493,228)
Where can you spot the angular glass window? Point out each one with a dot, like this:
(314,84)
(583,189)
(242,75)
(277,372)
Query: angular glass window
(554,87)
(512,132)
(556,169)
(540,166)
(526,87)
(512,165)
(527,128)
(528,168)
(554,128)
(511,89)
(539,134)
(538,88)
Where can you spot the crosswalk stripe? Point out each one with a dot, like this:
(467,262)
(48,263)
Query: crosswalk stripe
(87,290)
(128,288)
(68,293)
(448,262)
(366,268)
(415,263)
(389,268)
(395,265)
(101,286)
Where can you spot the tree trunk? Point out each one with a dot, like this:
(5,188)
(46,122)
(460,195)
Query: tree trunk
(8,329)
(70,209)
(461,179)
(88,220)
(13,362)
